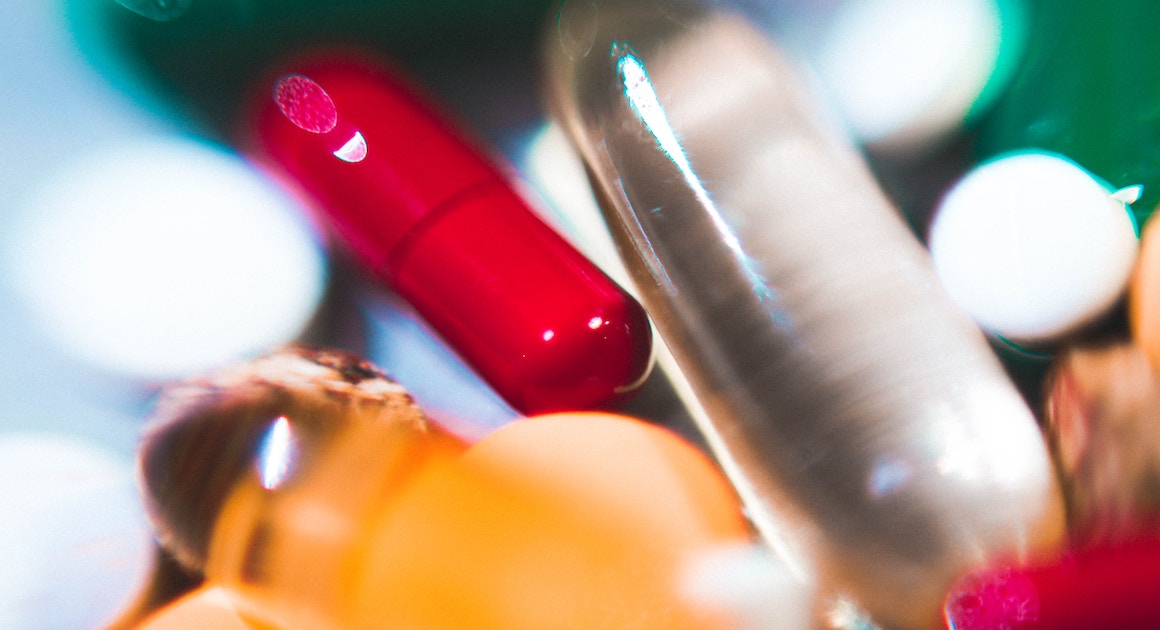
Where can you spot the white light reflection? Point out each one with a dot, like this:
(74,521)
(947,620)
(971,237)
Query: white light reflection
(276,453)
(754,587)
(994,443)
(643,99)
(887,476)
(645,103)
(355,149)
(1129,194)
(959,454)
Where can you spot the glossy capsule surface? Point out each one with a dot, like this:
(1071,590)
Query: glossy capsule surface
(266,476)
(848,397)
(316,496)
(435,219)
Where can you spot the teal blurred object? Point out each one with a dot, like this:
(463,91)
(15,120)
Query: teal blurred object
(1089,88)
(195,58)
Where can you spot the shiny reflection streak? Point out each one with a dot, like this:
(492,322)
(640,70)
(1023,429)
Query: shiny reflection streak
(276,454)
(355,149)
(862,417)
(643,100)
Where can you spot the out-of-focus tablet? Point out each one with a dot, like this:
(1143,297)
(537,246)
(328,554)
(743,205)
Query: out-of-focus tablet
(74,545)
(208,607)
(1093,586)
(906,73)
(1033,246)
(164,255)
(1102,423)
(569,520)
(1144,294)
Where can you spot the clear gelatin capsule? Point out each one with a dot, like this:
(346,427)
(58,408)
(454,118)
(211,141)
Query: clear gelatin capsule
(849,398)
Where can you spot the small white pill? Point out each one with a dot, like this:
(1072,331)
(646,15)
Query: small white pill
(1033,246)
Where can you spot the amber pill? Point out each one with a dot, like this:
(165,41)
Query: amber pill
(1103,423)
(573,520)
(209,607)
(317,496)
(1144,293)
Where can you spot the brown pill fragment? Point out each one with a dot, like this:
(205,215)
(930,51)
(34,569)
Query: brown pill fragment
(1103,423)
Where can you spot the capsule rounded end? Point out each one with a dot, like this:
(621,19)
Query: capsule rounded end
(594,360)
(536,319)
(263,421)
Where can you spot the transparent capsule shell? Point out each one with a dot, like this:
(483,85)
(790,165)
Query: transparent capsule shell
(268,476)
(862,417)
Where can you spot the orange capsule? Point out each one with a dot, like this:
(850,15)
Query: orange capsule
(267,474)
(317,497)
(208,607)
(571,520)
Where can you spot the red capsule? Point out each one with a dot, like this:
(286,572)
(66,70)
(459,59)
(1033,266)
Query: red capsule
(1110,587)
(435,219)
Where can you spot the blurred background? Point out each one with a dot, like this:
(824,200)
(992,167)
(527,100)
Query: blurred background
(135,248)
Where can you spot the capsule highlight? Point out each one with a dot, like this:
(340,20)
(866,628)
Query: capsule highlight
(861,415)
(427,213)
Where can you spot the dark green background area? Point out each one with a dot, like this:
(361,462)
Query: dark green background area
(198,66)
(1088,88)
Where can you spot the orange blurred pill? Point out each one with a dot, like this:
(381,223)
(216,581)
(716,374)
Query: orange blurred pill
(571,520)
(1144,293)
(312,491)
(202,609)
